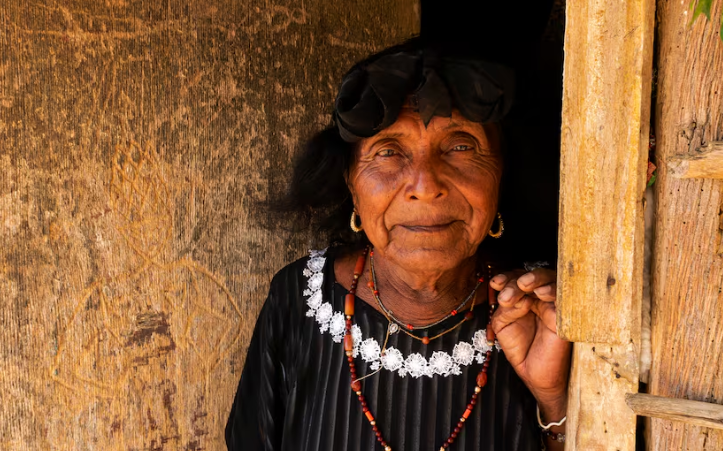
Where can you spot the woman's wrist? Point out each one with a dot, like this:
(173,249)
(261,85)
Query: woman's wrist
(552,409)
(552,416)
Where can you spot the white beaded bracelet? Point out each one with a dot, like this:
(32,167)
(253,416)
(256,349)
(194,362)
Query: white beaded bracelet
(544,428)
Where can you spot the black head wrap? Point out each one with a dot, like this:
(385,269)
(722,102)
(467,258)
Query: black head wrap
(372,94)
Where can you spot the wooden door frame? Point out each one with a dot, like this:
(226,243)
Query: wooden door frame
(604,152)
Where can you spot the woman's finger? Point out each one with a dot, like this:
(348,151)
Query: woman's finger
(499,281)
(536,278)
(547,292)
(547,312)
(508,315)
(510,294)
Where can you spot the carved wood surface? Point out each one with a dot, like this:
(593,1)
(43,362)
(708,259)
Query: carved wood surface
(687,327)
(135,138)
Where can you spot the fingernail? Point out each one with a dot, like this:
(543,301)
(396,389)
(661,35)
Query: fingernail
(543,290)
(526,279)
(499,279)
(504,294)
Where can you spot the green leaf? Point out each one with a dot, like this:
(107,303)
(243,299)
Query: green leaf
(702,6)
(652,178)
(720,33)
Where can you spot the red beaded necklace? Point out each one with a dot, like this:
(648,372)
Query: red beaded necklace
(356,384)
(395,324)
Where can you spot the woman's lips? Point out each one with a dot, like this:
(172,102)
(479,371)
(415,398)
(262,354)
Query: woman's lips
(428,228)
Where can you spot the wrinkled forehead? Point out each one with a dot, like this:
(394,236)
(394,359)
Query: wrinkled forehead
(409,124)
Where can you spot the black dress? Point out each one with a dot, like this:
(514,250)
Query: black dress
(294,392)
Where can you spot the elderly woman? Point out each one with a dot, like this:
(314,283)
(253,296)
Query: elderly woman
(405,334)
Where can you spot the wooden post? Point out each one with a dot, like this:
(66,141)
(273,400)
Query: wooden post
(605,121)
(687,307)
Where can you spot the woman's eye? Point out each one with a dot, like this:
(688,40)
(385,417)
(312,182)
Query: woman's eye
(461,147)
(386,152)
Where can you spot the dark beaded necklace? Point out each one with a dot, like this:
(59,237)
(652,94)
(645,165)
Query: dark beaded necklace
(408,326)
(356,383)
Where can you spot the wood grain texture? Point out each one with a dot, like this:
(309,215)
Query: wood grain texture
(690,412)
(135,138)
(605,122)
(706,164)
(687,326)
(598,419)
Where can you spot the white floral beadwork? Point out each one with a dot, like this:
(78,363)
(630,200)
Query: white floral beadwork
(416,365)
(463,353)
(316,264)
(314,302)
(370,350)
(315,281)
(323,316)
(479,340)
(441,363)
(337,327)
(356,336)
(391,359)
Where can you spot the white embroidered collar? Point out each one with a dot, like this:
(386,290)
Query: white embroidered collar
(390,359)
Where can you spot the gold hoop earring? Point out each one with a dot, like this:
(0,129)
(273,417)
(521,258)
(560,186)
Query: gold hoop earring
(499,231)
(355,228)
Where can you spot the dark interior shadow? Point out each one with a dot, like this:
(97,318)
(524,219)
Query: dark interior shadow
(527,35)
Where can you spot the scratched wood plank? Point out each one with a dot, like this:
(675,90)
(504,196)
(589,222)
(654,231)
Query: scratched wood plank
(687,327)
(605,122)
(135,138)
(598,419)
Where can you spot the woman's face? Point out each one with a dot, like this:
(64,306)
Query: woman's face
(427,196)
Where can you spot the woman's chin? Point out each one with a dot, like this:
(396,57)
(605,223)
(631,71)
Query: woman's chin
(430,258)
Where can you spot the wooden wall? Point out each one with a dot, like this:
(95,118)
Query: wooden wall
(687,308)
(135,137)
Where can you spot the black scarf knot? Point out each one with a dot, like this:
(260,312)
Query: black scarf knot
(371,96)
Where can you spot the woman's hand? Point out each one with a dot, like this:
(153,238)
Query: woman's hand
(525,324)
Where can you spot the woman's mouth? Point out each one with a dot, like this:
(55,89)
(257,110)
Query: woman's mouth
(428,227)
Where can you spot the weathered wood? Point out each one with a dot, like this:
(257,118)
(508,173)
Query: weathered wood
(707,164)
(597,416)
(687,333)
(135,138)
(605,120)
(606,106)
(691,412)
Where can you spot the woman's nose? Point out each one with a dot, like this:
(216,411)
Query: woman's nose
(426,183)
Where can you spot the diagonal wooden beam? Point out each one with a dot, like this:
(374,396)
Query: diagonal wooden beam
(707,164)
(697,413)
